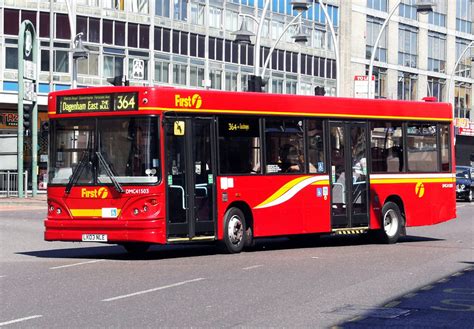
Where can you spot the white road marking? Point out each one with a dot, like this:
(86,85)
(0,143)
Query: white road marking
(314,257)
(20,320)
(152,290)
(2,276)
(77,264)
(252,267)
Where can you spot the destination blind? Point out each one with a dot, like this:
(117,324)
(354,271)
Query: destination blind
(97,103)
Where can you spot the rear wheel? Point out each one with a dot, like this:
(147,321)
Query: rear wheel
(392,222)
(234,230)
(136,248)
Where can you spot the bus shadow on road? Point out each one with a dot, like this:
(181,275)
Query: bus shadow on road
(328,241)
(445,303)
(156,252)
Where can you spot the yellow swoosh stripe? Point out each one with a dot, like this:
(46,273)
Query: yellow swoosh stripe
(282,190)
(411,180)
(89,212)
(321,182)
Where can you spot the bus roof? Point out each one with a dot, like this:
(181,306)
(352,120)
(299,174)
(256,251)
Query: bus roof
(165,99)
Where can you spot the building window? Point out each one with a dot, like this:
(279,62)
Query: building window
(179,74)
(373,29)
(215,17)
(231,81)
(231,20)
(437,19)
(407,86)
(162,8)
(436,88)
(464,66)
(216,79)
(64,32)
(196,75)
(162,70)
(89,66)
(11,21)
(197,13)
(378,4)
(407,46)
(277,85)
(464,16)
(380,76)
(11,54)
(291,85)
(61,61)
(462,101)
(180,9)
(319,39)
(436,52)
(44,58)
(407,9)
(114,4)
(113,66)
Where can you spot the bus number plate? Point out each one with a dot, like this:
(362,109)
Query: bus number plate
(94,237)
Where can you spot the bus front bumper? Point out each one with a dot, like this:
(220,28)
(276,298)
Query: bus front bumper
(116,231)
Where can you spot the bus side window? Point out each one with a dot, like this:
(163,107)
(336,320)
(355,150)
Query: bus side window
(239,145)
(284,146)
(316,147)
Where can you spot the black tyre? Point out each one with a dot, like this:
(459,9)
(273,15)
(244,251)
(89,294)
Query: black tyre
(234,230)
(249,241)
(469,196)
(392,222)
(136,248)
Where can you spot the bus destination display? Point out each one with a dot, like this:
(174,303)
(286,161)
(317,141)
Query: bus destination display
(97,103)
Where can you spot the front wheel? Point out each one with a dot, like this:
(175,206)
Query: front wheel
(392,221)
(234,230)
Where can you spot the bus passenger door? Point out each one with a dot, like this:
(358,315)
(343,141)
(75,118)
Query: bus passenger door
(190,178)
(349,175)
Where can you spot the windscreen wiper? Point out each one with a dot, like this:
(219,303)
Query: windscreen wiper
(76,173)
(109,172)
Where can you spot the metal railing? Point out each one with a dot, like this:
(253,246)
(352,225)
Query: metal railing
(9,184)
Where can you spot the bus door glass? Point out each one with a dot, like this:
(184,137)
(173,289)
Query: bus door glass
(349,177)
(190,177)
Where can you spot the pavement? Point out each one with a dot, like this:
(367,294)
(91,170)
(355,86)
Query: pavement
(39,201)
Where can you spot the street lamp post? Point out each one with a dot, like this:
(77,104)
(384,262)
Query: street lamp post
(243,35)
(336,46)
(78,50)
(422,7)
(450,95)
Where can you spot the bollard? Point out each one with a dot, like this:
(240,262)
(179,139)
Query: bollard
(26,183)
(8,184)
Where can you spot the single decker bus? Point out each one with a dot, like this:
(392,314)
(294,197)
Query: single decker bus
(137,166)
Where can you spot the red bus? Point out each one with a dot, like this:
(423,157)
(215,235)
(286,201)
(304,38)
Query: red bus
(137,166)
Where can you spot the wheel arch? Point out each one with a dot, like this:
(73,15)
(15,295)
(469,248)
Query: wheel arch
(399,202)
(245,208)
